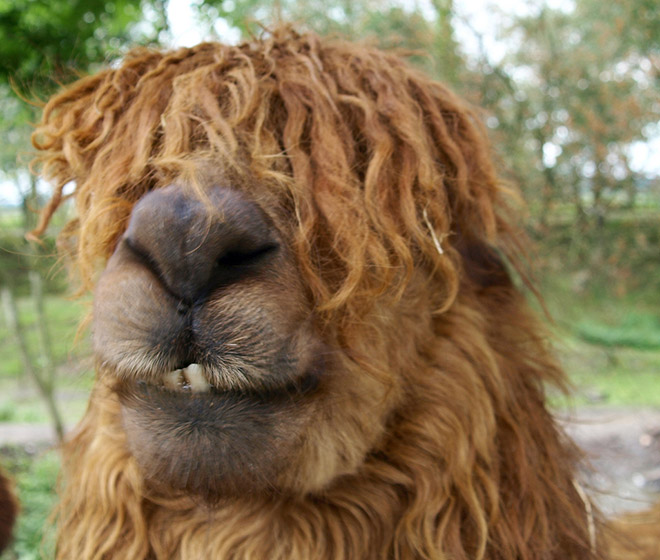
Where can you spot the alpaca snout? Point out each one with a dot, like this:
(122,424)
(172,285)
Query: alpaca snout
(195,243)
(201,293)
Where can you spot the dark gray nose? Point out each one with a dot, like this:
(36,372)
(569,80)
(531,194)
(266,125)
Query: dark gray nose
(194,246)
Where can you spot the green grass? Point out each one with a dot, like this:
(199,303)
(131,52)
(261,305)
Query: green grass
(19,399)
(636,329)
(63,318)
(11,218)
(609,345)
(24,406)
(36,474)
(36,477)
(608,375)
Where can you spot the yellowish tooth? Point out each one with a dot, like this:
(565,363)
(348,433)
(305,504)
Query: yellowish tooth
(172,380)
(195,379)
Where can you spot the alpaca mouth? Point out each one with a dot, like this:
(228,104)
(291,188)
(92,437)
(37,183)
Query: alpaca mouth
(190,379)
(193,380)
(189,435)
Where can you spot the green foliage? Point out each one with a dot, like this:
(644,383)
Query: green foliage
(618,260)
(569,103)
(42,42)
(636,23)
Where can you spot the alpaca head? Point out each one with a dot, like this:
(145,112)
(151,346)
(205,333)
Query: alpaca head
(274,218)
(300,258)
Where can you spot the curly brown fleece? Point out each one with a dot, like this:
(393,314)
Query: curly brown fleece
(382,183)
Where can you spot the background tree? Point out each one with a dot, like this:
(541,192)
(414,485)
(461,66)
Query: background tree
(390,24)
(569,103)
(44,44)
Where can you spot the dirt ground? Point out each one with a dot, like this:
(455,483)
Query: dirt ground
(622,445)
(623,448)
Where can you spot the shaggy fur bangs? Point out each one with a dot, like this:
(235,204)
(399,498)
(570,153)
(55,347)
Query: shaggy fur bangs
(326,127)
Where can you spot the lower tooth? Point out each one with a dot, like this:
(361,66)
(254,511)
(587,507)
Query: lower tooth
(172,380)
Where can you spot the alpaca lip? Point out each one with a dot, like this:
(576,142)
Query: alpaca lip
(188,379)
(192,380)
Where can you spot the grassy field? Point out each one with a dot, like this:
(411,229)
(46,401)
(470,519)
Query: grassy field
(35,468)
(609,346)
(19,401)
(615,375)
(35,472)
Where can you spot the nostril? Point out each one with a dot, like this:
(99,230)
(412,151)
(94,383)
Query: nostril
(143,255)
(146,259)
(242,258)
(238,262)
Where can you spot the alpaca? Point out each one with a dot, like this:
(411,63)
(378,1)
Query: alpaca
(309,324)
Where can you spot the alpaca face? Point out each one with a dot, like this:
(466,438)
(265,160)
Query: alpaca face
(203,329)
(281,226)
